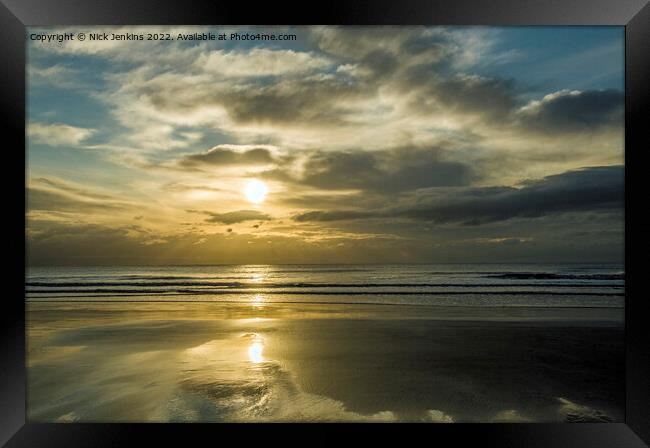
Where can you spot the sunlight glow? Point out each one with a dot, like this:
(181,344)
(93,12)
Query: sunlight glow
(256,191)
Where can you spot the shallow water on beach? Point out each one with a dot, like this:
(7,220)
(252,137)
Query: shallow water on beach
(240,362)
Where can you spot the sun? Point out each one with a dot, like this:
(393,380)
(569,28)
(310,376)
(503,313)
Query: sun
(256,191)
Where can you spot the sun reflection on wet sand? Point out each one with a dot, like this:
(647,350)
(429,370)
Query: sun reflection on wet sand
(255,351)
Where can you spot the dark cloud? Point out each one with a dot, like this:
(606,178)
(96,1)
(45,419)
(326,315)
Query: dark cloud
(586,190)
(580,111)
(492,97)
(379,48)
(226,156)
(325,200)
(336,215)
(313,101)
(381,63)
(380,171)
(234,217)
(310,101)
(499,101)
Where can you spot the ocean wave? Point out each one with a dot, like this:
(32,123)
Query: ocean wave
(255,285)
(299,292)
(553,276)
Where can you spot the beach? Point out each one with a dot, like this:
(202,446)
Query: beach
(256,361)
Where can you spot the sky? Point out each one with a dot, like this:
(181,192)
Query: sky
(372,144)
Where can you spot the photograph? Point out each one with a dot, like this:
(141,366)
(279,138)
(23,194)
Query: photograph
(325,223)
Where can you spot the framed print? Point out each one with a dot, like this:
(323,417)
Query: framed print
(248,222)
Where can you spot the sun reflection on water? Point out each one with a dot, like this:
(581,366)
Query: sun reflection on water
(258,300)
(258,277)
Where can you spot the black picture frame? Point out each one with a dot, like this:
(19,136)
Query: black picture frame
(15,15)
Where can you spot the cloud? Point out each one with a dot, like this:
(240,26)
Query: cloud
(477,46)
(69,187)
(44,200)
(591,189)
(260,62)
(53,195)
(574,111)
(234,217)
(387,171)
(588,190)
(492,98)
(70,243)
(417,61)
(76,243)
(65,242)
(57,134)
(228,155)
(360,87)
(379,48)
(336,215)
(309,101)
(57,75)
(182,187)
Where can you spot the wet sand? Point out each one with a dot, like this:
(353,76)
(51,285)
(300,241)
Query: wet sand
(279,362)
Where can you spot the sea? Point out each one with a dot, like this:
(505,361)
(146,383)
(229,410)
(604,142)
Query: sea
(480,285)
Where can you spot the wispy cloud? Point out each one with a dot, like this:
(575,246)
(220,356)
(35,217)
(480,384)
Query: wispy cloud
(57,134)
